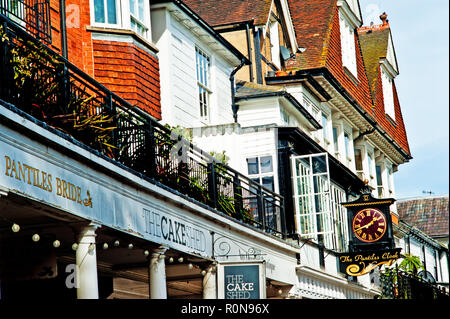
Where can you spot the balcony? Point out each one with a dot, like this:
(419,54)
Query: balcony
(43,86)
(32,16)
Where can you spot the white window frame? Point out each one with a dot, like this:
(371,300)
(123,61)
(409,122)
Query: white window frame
(348,48)
(261,175)
(333,217)
(275,43)
(106,24)
(203,86)
(145,23)
(124,18)
(388,92)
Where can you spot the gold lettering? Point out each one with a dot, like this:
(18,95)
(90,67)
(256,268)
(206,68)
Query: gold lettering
(13,169)
(8,165)
(58,187)
(28,171)
(64,189)
(49,179)
(79,195)
(21,172)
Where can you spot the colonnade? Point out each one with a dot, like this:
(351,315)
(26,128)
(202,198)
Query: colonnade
(87,277)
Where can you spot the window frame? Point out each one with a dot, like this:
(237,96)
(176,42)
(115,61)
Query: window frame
(106,24)
(203,87)
(348,46)
(123,14)
(260,175)
(387,83)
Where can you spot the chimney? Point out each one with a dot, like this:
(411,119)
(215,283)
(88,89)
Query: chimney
(383,18)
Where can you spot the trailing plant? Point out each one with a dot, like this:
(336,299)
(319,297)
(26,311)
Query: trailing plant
(42,88)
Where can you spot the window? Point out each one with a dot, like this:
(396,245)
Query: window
(335,140)
(347,145)
(388,95)
(370,164)
(262,167)
(379,181)
(105,11)
(389,180)
(319,214)
(275,43)
(359,164)
(325,127)
(348,45)
(124,14)
(203,78)
(137,17)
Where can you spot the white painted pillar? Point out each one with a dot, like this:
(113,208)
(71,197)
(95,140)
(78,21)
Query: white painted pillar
(86,259)
(209,283)
(157,274)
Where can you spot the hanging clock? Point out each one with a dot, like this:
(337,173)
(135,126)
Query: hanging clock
(370,224)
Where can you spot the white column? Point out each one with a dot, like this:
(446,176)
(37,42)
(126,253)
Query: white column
(86,259)
(209,283)
(157,274)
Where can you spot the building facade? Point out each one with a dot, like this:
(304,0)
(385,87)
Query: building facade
(111,112)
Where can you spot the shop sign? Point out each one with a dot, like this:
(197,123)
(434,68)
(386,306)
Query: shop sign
(242,280)
(64,187)
(361,263)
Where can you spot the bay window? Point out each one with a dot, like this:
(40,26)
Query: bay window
(122,14)
(105,12)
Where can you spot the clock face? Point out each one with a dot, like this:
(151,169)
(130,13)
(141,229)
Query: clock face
(369,225)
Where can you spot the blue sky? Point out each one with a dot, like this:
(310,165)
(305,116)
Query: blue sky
(420,31)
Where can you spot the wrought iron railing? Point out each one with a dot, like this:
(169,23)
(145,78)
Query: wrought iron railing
(398,284)
(46,86)
(31,15)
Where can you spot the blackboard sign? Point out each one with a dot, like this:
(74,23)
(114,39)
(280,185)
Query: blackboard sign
(241,281)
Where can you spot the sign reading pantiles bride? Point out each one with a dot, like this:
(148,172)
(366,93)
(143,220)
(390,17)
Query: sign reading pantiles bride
(75,188)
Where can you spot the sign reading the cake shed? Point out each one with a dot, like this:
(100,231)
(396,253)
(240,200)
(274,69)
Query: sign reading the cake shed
(242,280)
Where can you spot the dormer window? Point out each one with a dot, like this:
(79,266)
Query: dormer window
(275,43)
(348,44)
(388,94)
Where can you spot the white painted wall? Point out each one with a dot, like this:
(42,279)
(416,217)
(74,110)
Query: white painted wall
(179,90)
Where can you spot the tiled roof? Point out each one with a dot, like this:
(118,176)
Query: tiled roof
(374,45)
(429,214)
(316,24)
(218,12)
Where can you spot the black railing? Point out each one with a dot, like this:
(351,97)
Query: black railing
(31,15)
(398,284)
(43,84)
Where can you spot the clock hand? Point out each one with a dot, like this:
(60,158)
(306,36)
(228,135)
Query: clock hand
(369,224)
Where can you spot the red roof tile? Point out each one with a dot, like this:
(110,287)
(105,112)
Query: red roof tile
(216,12)
(316,24)
(374,45)
(430,215)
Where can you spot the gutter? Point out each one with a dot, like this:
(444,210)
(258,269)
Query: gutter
(234,106)
(63,27)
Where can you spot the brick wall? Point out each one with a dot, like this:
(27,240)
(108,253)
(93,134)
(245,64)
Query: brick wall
(130,72)
(125,69)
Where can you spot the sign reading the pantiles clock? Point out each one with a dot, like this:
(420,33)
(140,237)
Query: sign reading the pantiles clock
(361,263)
